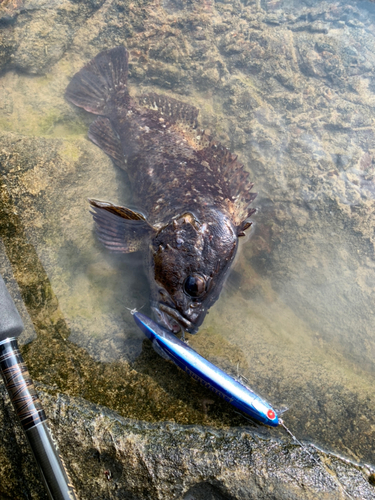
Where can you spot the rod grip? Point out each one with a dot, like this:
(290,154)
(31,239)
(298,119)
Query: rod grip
(19,385)
(29,410)
(10,321)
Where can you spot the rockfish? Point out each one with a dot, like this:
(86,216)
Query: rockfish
(192,194)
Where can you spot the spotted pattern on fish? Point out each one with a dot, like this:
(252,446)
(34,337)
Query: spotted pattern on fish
(193,194)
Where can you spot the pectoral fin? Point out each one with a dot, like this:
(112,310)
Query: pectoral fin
(119,228)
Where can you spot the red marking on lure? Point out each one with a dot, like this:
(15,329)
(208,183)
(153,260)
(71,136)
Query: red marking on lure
(271,414)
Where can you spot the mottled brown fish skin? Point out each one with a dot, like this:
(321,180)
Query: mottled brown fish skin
(194,192)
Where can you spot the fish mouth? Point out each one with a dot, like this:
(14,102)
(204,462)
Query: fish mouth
(172,319)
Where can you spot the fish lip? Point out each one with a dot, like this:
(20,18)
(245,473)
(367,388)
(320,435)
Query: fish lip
(185,323)
(165,313)
(163,318)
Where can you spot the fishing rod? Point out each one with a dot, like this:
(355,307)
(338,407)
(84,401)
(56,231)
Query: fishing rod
(27,405)
(167,345)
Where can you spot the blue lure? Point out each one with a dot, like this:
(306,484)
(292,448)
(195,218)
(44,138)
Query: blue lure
(170,347)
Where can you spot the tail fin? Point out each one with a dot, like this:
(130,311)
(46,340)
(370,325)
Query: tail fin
(97,83)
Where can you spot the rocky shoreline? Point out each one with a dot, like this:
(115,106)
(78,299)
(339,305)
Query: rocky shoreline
(290,87)
(111,457)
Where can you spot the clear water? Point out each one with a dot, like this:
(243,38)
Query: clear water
(290,87)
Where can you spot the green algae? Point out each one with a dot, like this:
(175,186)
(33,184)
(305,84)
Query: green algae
(6,124)
(70,151)
(48,121)
(51,123)
(69,129)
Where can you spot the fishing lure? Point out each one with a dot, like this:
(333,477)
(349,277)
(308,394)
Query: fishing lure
(170,347)
(167,345)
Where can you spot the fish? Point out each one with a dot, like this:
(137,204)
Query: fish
(181,354)
(192,194)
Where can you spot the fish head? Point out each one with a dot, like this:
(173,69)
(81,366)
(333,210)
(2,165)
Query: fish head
(190,259)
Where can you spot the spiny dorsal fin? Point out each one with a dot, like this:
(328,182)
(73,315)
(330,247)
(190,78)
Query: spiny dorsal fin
(170,108)
(238,195)
(102,79)
(120,229)
(102,134)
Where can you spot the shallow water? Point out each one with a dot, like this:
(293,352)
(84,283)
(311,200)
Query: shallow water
(289,86)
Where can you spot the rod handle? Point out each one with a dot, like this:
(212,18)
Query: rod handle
(29,410)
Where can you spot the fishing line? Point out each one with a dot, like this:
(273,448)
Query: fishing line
(304,448)
(281,422)
(135,310)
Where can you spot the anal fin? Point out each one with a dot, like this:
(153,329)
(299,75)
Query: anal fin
(102,134)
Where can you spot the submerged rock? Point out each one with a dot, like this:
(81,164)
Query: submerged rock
(36,34)
(112,457)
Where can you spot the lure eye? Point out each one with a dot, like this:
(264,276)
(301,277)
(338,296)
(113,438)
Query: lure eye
(195,286)
(271,414)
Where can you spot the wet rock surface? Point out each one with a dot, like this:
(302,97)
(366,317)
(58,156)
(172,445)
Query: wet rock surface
(290,87)
(35,35)
(111,457)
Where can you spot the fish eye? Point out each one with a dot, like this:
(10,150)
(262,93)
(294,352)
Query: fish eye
(195,285)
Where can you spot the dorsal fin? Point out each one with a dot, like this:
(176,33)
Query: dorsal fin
(102,134)
(170,108)
(239,196)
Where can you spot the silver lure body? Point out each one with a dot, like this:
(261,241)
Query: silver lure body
(222,384)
